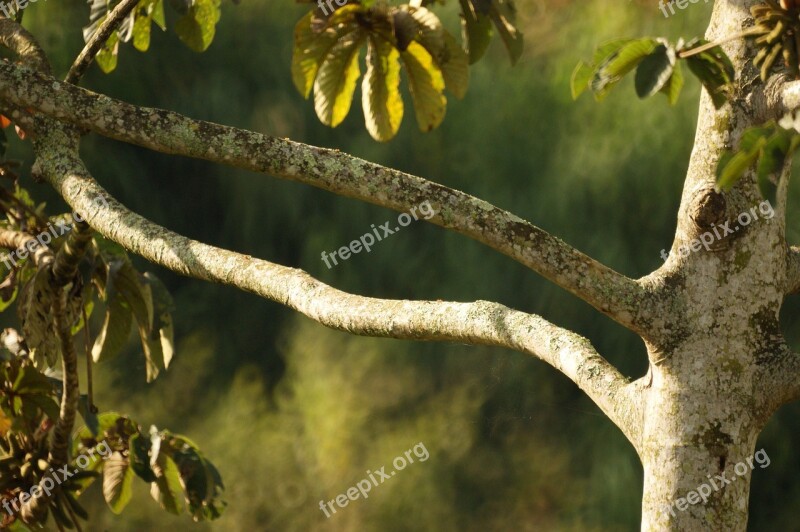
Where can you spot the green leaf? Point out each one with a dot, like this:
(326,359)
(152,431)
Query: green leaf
(503,14)
(770,164)
(611,70)
(581,76)
(476,30)
(88,414)
(732,169)
(426,85)
(715,72)
(115,331)
(30,381)
(454,64)
(336,79)
(654,71)
(117,482)
(672,89)
(139,447)
(197,27)
(380,90)
(162,318)
(167,489)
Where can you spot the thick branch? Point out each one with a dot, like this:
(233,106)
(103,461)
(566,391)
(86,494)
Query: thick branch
(612,293)
(476,323)
(778,380)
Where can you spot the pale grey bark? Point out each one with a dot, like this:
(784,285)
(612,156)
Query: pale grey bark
(719,366)
(623,299)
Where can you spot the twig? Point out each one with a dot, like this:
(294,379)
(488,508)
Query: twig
(98,40)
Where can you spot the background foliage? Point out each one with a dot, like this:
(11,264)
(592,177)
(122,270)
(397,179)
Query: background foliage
(291,412)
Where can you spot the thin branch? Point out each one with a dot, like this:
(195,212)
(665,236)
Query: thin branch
(98,40)
(623,299)
(478,323)
(16,240)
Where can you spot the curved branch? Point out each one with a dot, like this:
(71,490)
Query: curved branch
(623,299)
(778,380)
(478,323)
(98,40)
(18,40)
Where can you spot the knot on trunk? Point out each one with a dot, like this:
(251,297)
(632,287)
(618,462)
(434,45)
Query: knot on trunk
(708,210)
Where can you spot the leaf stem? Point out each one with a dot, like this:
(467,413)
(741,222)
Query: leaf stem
(708,46)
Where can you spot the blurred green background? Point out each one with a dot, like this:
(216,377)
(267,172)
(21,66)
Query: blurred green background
(292,412)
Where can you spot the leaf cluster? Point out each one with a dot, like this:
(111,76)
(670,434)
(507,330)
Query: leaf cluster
(658,68)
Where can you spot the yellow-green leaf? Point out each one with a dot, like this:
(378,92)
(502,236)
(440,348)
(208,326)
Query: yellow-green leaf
(157,13)
(426,84)
(311,47)
(107,57)
(451,59)
(380,90)
(141,32)
(197,27)
(336,80)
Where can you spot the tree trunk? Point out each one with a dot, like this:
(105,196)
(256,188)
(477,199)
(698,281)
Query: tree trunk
(702,417)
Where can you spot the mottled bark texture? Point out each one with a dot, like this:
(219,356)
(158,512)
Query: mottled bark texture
(719,367)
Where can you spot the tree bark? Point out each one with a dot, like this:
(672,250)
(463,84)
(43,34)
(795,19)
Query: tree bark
(720,335)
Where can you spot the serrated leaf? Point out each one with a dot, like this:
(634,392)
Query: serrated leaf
(380,90)
(336,79)
(117,482)
(654,71)
(197,27)
(476,31)
(426,85)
